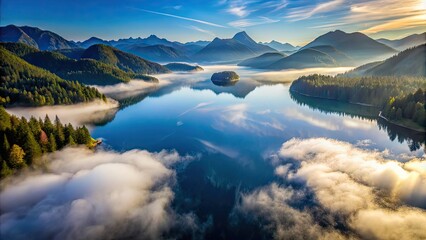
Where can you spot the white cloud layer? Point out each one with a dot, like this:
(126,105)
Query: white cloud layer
(371,196)
(86,195)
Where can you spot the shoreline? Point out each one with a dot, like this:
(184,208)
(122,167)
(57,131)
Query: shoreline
(399,125)
(364,105)
(353,103)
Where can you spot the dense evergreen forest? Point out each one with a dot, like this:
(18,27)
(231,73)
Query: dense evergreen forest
(122,60)
(26,84)
(405,95)
(86,71)
(410,106)
(24,141)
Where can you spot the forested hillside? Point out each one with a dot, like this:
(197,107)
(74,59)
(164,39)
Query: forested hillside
(26,84)
(24,141)
(410,62)
(403,94)
(125,61)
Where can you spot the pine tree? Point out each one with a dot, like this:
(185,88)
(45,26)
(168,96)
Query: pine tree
(83,135)
(48,126)
(5,169)
(59,133)
(52,143)
(27,140)
(5,148)
(70,141)
(4,120)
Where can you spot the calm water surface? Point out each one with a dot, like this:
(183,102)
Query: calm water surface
(233,131)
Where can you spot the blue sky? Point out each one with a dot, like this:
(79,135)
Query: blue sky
(297,22)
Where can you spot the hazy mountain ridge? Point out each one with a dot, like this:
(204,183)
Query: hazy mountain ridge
(92,41)
(356,45)
(158,53)
(406,42)
(240,47)
(263,61)
(35,37)
(305,58)
(122,60)
(410,62)
(280,46)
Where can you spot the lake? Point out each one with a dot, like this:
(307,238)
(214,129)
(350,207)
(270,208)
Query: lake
(233,132)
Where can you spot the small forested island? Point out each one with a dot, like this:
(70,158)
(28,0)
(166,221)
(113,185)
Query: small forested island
(23,141)
(225,78)
(183,67)
(401,99)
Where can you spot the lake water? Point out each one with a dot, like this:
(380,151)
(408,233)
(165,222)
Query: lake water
(233,131)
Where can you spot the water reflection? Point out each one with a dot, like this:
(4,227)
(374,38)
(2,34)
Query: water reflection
(414,139)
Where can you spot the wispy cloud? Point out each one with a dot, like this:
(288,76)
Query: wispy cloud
(245,8)
(183,18)
(402,23)
(202,30)
(395,16)
(370,14)
(328,26)
(251,22)
(305,13)
(240,11)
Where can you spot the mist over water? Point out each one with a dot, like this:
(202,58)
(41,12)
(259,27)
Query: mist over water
(92,195)
(76,114)
(196,160)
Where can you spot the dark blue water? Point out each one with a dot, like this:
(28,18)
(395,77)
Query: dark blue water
(233,131)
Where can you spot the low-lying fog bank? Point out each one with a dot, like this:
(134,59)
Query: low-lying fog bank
(290,75)
(133,88)
(76,114)
(336,190)
(175,80)
(94,195)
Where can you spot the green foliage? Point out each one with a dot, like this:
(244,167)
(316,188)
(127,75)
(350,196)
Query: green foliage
(410,62)
(30,139)
(399,97)
(19,49)
(25,84)
(409,106)
(86,71)
(4,120)
(16,157)
(125,61)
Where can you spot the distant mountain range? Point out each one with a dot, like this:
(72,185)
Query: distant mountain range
(404,43)
(280,46)
(335,48)
(411,62)
(263,61)
(358,46)
(158,53)
(305,58)
(239,47)
(332,49)
(34,37)
(92,41)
